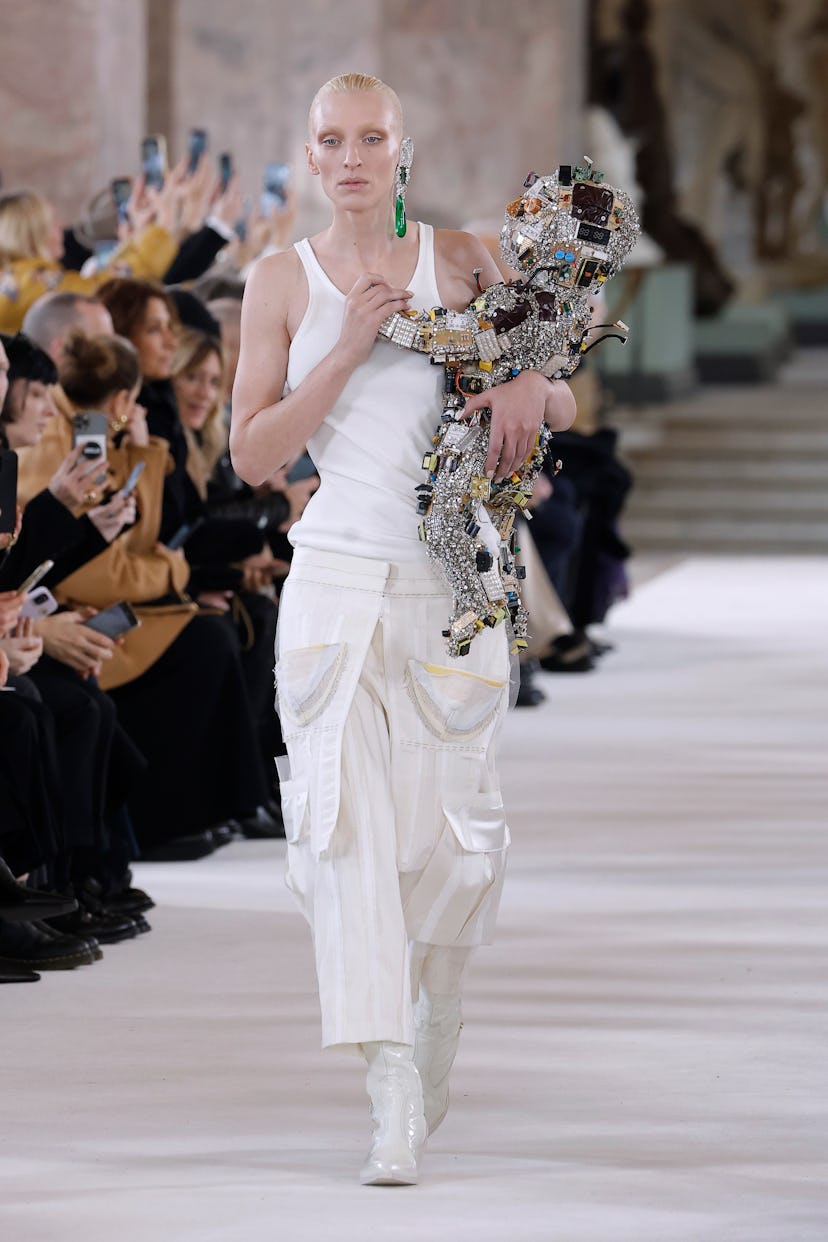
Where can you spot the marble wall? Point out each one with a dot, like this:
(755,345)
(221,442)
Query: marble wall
(490,89)
(72,94)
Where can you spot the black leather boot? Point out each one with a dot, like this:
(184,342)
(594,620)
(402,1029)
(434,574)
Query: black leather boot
(19,904)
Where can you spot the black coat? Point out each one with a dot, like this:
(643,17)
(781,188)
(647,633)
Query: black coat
(50,532)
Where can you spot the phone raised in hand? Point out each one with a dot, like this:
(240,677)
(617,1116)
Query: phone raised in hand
(154,160)
(90,429)
(196,146)
(275,182)
(114,621)
(121,194)
(225,170)
(8,492)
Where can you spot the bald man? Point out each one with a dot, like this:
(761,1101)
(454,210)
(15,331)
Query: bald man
(50,320)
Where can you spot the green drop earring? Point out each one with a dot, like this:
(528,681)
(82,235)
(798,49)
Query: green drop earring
(401,180)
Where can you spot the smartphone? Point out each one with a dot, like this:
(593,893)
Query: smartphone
(302,468)
(183,534)
(225,169)
(114,621)
(275,181)
(8,492)
(121,193)
(90,428)
(154,160)
(35,576)
(196,146)
(134,476)
(241,225)
(39,603)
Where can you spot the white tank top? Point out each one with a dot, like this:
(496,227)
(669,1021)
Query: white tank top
(370,446)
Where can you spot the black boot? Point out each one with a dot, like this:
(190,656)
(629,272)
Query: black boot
(529,692)
(570,653)
(10,973)
(19,904)
(263,826)
(24,945)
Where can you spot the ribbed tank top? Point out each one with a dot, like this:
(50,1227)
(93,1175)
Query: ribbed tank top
(370,446)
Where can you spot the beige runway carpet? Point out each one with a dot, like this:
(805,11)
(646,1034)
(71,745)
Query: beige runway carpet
(644,1057)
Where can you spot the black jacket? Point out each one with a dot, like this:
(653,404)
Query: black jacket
(50,532)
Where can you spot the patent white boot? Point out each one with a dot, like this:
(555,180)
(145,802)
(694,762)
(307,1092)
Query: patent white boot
(396,1096)
(437,1022)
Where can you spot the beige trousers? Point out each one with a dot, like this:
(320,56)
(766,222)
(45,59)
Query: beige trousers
(396,832)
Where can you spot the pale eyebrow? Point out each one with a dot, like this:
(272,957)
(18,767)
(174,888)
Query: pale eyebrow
(332,132)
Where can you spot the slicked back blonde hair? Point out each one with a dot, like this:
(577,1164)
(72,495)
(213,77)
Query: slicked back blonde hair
(344,83)
(24,227)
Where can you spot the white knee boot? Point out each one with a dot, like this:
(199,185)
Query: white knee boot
(396,1095)
(437,1022)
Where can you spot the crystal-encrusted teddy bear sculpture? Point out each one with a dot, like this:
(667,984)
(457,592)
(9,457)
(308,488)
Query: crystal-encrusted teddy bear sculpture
(569,232)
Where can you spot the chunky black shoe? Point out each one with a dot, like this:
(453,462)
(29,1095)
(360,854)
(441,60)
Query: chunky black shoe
(571,653)
(131,901)
(25,945)
(263,826)
(127,900)
(89,941)
(10,972)
(106,928)
(19,904)
(78,942)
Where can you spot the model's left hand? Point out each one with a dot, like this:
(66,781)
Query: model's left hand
(518,409)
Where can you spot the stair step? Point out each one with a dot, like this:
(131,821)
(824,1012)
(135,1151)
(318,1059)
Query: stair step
(732,469)
(693,531)
(760,443)
(709,497)
(768,471)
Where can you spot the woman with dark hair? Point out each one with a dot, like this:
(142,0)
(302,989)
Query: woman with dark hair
(145,314)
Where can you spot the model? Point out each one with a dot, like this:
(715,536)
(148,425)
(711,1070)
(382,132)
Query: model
(396,832)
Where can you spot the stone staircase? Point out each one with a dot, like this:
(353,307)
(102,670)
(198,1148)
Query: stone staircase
(733,469)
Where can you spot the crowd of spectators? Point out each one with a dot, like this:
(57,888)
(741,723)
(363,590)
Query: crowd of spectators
(158,742)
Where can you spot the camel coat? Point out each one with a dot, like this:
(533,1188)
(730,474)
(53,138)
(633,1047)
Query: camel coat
(134,567)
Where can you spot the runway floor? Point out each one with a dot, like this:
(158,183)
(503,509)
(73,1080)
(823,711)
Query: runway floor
(644,1052)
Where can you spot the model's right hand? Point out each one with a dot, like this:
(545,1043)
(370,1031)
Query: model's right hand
(370,301)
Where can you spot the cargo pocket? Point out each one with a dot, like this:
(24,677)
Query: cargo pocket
(455,706)
(478,822)
(307,679)
(294,795)
(455,897)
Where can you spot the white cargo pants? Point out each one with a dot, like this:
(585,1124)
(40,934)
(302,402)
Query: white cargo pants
(394,820)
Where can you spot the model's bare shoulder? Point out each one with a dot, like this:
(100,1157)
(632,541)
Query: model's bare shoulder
(457,254)
(272,281)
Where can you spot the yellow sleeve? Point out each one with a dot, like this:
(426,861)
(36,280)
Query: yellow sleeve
(148,253)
